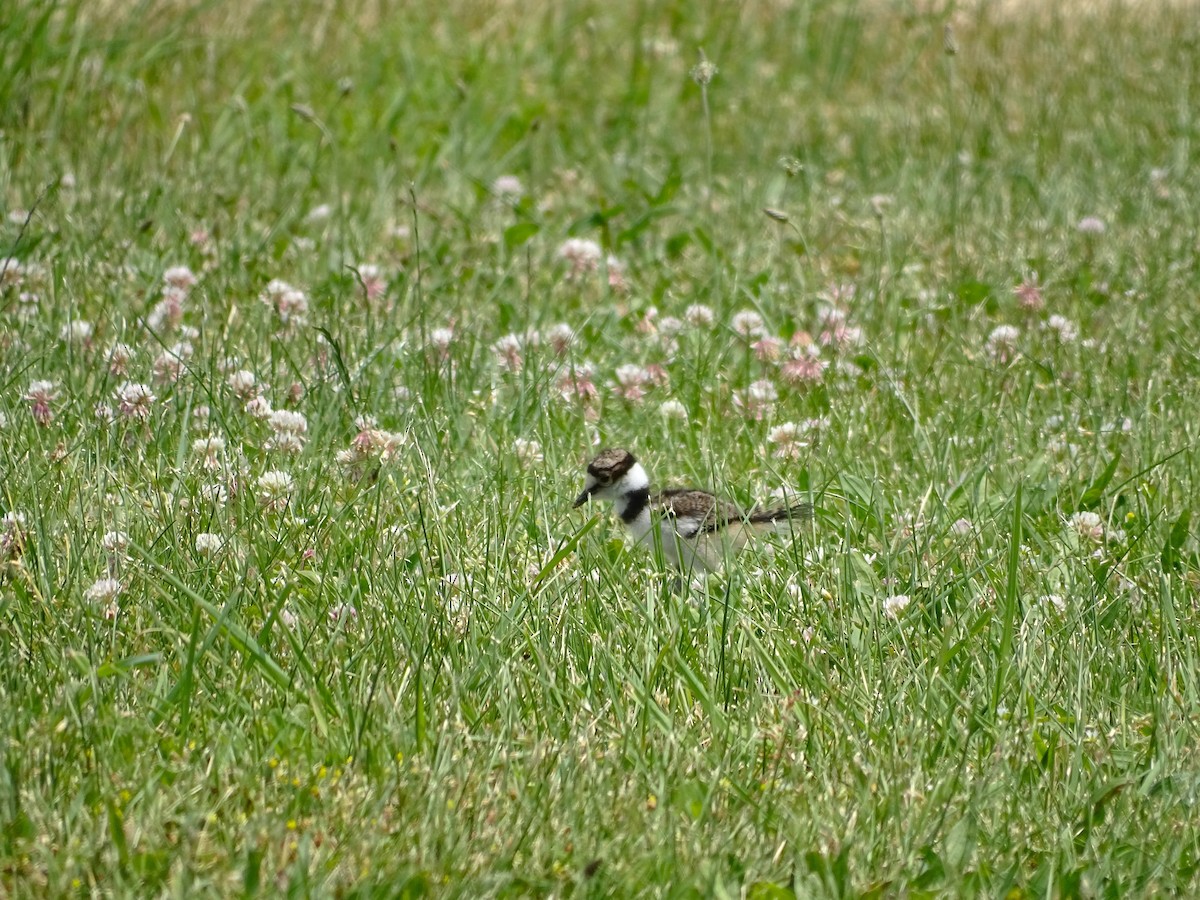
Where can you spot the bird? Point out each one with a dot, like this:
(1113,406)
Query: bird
(695,529)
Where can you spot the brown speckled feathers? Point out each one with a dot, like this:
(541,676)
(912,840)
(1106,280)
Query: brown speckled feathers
(698,511)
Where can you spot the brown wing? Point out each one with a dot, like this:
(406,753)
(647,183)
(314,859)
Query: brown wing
(695,511)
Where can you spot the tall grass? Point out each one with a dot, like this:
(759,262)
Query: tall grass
(415,670)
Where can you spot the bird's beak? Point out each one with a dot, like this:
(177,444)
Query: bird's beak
(582,498)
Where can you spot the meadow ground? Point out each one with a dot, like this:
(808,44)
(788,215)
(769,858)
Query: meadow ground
(312,313)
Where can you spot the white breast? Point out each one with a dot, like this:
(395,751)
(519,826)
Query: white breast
(682,552)
(681,544)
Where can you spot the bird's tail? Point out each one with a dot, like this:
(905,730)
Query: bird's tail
(800,512)
(779,520)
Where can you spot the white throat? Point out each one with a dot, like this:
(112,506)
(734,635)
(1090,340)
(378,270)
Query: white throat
(633,501)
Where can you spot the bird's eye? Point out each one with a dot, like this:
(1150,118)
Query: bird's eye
(605,478)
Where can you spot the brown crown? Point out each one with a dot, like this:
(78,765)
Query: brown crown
(613,463)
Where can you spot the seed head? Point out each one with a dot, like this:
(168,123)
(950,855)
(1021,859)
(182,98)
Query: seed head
(704,71)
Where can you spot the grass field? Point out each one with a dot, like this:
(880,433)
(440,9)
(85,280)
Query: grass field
(311,315)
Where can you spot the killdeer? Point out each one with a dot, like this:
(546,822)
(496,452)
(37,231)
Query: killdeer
(695,529)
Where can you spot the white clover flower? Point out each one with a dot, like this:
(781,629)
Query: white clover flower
(208,544)
(43,390)
(894,605)
(290,303)
(41,395)
(748,323)
(343,614)
(1004,334)
(115,542)
(508,353)
(389,443)
(167,312)
(134,400)
(28,305)
(673,410)
(836,331)
(671,327)
(1088,525)
(1001,344)
(647,324)
(582,255)
(784,434)
(508,187)
(284,442)
(275,489)
(1029,294)
(76,332)
(209,449)
(629,374)
(632,381)
(13,535)
(119,358)
(284,421)
(105,590)
(804,365)
(561,337)
(763,391)
(258,407)
(179,277)
(700,316)
(1119,426)
(787,440)
(767,349)
(214,493)
(1063,328)
(440,339)
(168,365)
(318,213)
(373,280)
(11,271)
(243,384)
(758,400)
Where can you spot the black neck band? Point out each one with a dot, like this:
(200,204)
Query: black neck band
(633,503)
